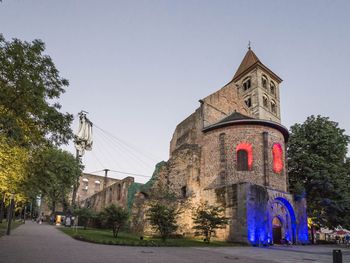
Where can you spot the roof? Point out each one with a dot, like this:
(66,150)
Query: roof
(249,62)
(240,119)
(234,116)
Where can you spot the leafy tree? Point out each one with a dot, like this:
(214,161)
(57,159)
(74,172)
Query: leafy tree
(114,217)
(13,163)
(163,218)
(318,167)
(85,215)
(52,174)
(29,87)
(208,218)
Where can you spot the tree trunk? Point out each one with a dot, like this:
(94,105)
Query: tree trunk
(53,207)
(312,235)
(2,207)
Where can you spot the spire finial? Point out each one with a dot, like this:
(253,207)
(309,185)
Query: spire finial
(249,45)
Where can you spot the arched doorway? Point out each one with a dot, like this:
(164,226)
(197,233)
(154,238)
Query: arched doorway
(276,230)
(282,216)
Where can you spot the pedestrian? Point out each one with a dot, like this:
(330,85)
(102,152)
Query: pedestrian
(347,240)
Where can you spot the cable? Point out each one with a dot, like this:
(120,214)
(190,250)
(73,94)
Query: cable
(152,158)
(121,147)
(141,175)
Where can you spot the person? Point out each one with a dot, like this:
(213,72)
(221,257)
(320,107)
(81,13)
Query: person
(337,239)
(52,219)
(68,221)
(347,240)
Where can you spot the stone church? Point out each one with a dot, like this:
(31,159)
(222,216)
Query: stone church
(231,152)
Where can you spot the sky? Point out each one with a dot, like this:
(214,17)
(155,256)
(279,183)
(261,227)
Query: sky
(139,67)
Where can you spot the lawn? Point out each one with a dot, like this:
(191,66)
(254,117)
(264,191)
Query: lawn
(103,236)
(3,226)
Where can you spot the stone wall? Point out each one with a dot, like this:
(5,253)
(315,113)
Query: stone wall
(211,165)
(89,184)
(116,193)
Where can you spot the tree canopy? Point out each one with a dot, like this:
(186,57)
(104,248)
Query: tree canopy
(29,86)
(52,173)
(31,122)
(319,168)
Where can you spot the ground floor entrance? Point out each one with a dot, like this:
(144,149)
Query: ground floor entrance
(276,230)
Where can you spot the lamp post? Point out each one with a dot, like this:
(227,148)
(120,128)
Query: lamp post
(10,214)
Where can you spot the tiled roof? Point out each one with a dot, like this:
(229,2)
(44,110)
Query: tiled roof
(249,61)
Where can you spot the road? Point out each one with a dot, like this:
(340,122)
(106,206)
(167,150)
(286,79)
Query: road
(33,243)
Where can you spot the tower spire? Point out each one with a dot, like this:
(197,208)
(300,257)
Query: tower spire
(249,45)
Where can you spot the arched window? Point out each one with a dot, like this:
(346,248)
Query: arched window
(265,101)
(244,157)
(246,84)
(264,81)
(273,106)
(248,101)
(277,154)
(272,88)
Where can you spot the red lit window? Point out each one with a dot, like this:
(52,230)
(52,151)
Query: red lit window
(277,153)
(244,153)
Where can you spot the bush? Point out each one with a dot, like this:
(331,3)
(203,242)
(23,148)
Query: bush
(207,219)
(85,216)
(114,217)
(163,219)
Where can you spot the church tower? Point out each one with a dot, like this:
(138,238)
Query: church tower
(258,86)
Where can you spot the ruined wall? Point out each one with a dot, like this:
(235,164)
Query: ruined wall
(116,193)
(187,132)
(213,108)
(222,103)
(89,184)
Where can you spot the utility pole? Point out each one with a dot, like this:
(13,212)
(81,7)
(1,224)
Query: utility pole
(10,214)
(105,181)
(83,142)
(76,184)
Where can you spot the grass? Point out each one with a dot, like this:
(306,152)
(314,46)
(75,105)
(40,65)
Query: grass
(3,226)
(103,236)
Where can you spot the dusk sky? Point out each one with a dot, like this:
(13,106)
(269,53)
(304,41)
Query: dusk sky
(140,67)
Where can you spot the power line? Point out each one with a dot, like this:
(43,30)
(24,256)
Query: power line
(123,149)
(148,156)
(121,172)
(141,175)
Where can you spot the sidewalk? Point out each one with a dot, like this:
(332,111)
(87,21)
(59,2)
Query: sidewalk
(34,243)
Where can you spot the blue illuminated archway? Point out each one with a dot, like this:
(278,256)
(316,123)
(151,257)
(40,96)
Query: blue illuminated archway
(291,213)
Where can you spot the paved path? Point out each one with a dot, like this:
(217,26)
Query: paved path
(33,243)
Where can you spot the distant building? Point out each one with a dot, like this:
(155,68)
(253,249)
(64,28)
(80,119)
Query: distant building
(90,184)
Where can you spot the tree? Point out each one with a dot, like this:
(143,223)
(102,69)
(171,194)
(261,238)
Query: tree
(163,218)
(29,87)
(114,217)
(208,218)
(318,168)
(52,173)
(84,216)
